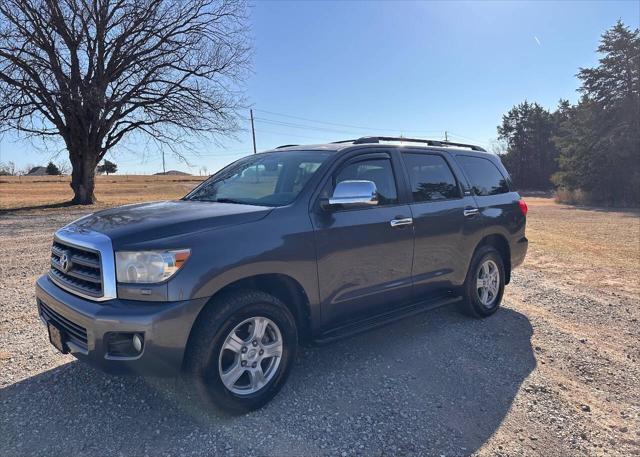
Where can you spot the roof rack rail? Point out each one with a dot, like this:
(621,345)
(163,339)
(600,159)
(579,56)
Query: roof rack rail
(287,146)
(377,139)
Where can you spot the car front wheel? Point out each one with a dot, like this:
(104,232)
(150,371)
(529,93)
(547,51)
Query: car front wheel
(241,351)
(250,355)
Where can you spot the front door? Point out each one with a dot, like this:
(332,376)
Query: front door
(364,262)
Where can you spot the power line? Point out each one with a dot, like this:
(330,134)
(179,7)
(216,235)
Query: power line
(482,143)
(300,126)
(220,154)
(350,133)
(315,138)
(307,127)
(358,127)
(320,128)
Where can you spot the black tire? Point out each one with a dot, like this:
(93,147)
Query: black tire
(213,326)
(472,303)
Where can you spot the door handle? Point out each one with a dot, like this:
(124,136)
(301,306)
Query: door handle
(468,212)
(401,222)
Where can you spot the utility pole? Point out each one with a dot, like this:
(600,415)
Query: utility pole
(253,132)
(164,171)
(446,137)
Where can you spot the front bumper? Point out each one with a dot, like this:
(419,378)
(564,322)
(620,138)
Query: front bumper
(165,326)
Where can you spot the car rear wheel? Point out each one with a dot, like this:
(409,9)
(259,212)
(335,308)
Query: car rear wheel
(484,285)
(241,351)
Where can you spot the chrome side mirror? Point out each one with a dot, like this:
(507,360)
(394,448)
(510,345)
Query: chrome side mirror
(354,193)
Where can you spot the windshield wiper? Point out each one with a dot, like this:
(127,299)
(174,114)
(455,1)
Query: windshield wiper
(221,200)
(229,200)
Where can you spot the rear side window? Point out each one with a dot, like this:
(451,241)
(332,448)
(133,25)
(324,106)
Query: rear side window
(377,170)
(485,177)
(431,178)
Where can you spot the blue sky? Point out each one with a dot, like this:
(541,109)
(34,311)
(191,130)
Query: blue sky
(417,68)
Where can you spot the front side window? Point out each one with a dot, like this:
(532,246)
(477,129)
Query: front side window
(431,178)
(485,177)
(273,179)
(377,170)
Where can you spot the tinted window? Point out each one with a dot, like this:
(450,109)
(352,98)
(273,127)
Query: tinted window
(430,177)
(485,177)
(304,172)
(272,179)
(377,170)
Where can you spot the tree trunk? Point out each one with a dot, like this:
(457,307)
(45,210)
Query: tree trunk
(83,178)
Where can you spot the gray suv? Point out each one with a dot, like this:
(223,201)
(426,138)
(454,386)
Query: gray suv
(302,244)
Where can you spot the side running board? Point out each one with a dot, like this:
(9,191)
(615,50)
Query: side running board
(379,320)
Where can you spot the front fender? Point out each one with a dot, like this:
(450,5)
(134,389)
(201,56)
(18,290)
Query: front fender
(281,243)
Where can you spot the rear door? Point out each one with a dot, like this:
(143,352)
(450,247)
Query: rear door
(497,201)
(446,224)
(364,262)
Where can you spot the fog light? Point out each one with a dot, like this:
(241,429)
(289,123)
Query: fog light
(137,342)
(121,344)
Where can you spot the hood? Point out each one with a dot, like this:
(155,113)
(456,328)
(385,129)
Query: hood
(156,220)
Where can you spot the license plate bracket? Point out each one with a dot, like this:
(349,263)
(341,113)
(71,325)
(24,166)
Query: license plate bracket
(57,338)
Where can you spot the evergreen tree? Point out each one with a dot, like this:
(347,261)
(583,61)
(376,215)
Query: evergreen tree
(107,167)
(531,157)
(599,139)
(52,169)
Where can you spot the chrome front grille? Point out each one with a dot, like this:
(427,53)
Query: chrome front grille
(77,268)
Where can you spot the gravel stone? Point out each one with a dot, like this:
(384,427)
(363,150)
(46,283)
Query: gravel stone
(440,383)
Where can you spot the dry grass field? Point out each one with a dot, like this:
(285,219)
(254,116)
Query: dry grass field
(33,191)
(556,372)
(593,247)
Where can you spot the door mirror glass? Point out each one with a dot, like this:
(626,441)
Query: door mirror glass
(354,193)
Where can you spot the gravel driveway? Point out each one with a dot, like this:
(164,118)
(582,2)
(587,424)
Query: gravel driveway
(555,372)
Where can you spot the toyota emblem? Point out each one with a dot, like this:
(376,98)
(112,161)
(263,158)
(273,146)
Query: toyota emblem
(65,262)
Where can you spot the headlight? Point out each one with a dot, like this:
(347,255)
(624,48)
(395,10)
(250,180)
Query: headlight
(149,266)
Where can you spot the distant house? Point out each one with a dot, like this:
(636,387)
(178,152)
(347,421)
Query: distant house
(173,173)
(37,171)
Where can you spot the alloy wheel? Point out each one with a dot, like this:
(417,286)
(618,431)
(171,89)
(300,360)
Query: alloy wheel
(250,355)
(488,283)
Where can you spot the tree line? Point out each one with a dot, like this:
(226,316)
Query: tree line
(590,151)
(9,169)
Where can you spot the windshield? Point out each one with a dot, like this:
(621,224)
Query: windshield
(273,179)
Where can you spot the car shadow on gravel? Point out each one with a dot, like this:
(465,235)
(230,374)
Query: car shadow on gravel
(439,383)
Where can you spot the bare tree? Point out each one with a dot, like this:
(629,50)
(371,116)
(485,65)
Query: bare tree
(64,168)
(25,170)
(499,146)
(8,168)
(95,71)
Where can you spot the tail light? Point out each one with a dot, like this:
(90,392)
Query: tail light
(523,207)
